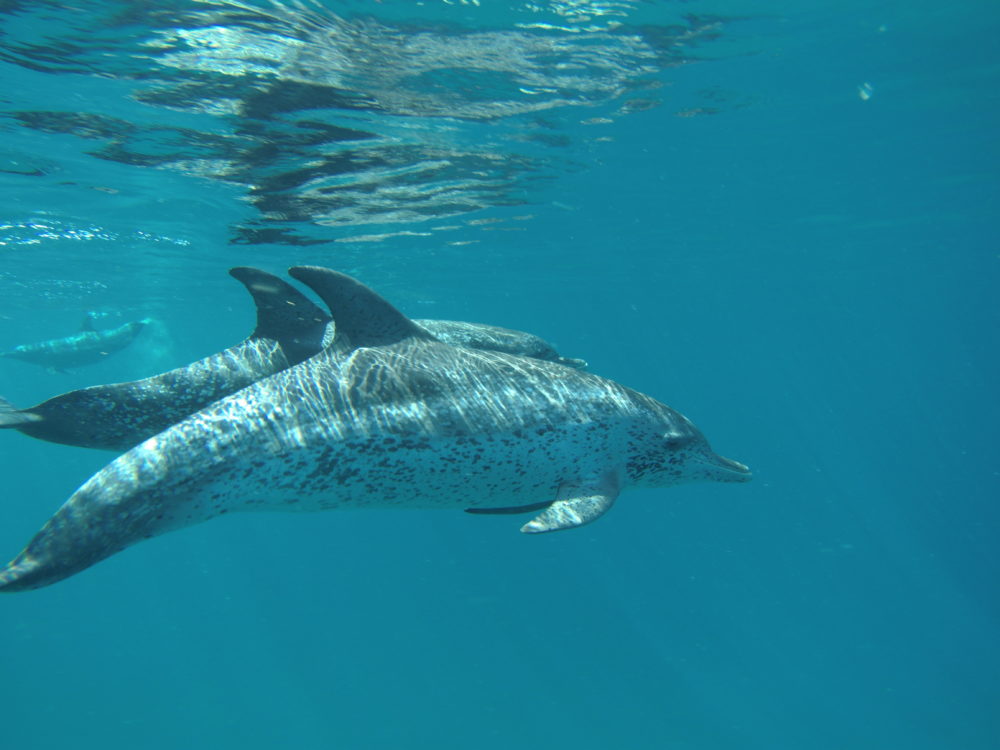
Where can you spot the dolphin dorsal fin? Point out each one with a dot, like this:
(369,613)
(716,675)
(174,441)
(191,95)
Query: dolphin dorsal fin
(360,315)
(87,324)
(283,312)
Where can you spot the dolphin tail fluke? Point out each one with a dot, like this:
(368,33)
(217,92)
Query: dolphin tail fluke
(13,575)
(103,517)
(12,417)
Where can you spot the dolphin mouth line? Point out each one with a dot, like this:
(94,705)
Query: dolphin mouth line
(726,464)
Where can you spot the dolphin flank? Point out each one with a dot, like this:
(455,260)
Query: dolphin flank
(385,417)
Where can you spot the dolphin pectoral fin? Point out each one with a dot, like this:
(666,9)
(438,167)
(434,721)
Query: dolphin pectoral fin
(11,416)
(576,504)
(510,510)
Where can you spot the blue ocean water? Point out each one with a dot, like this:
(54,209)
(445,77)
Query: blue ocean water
(781,218)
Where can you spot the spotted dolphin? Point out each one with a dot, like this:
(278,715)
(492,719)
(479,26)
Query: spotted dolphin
(290,328)
(87,347)
(389,418)
(495,338)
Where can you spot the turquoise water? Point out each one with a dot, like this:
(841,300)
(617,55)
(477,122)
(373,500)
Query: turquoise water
(780,218)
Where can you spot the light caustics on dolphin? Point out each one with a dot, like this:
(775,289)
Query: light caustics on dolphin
(388,417)
(290,329)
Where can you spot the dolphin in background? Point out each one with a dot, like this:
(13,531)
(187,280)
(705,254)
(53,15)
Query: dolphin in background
(85,348)
(496,339)
(289,329)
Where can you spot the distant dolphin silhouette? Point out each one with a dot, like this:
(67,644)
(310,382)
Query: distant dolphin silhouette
(290,328)
(84,348)
(384,416)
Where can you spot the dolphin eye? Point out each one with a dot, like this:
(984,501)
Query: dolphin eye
(673,442)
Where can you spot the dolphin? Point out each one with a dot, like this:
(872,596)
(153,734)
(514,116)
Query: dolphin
(290,328)
(116,417)
(84,348)
(387,417)
(495,338)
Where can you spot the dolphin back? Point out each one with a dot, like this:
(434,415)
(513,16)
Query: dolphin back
(497,339)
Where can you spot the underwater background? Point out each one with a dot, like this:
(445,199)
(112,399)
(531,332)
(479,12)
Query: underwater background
(780,218)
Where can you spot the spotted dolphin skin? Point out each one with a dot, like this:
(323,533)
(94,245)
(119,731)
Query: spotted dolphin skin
(84,348)
(289,329)
(389,418)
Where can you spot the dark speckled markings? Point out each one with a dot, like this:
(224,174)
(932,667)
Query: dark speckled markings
(289,330)
(397,419)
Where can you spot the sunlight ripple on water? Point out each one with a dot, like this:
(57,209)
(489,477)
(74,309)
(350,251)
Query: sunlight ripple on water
(329,121)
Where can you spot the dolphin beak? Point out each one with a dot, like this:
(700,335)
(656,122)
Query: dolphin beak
(724,469)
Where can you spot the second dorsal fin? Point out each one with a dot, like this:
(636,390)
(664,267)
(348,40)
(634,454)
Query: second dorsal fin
(360,315)
(283,312)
